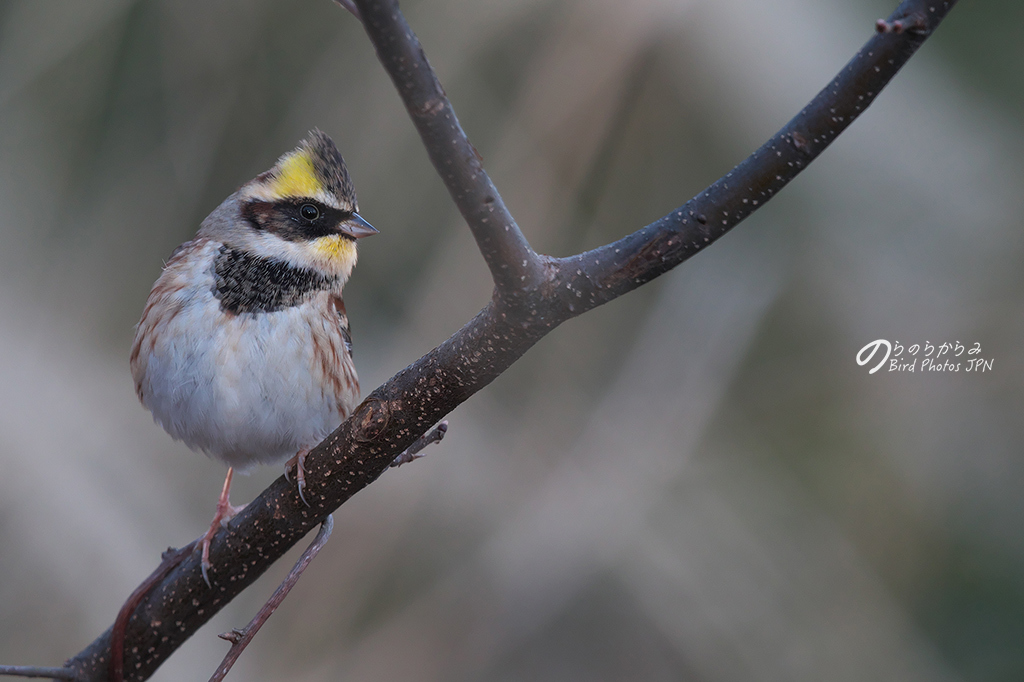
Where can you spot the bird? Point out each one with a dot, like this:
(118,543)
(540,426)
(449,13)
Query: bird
(243,350)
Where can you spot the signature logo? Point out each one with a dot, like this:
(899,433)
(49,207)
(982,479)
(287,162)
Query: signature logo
(945,357)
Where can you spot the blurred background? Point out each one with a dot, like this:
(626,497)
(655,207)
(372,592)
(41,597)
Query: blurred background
(694,482)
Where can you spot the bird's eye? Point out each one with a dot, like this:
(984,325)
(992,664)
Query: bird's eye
(309,212)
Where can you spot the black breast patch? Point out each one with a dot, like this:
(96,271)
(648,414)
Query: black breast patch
(245,283)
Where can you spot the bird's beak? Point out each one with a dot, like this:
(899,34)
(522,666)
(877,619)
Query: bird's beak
(356,227)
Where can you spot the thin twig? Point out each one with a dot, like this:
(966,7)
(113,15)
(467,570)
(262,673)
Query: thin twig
(37,671)
(351,7)
(240,638)
(415,451)
(171,558)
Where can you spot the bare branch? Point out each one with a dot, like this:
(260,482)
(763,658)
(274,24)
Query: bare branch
(351,7)
(415,451)
(171,558)
(532,299)
(240,638)
(607,272)
(513,264)
(36,671)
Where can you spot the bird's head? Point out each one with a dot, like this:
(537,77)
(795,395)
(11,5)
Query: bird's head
(302,211)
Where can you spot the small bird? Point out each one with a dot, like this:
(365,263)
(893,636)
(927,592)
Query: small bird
(243,350)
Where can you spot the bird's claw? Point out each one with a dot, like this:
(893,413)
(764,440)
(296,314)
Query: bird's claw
(299,461)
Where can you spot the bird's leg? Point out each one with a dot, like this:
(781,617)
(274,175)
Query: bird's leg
(225,512)
(298,461)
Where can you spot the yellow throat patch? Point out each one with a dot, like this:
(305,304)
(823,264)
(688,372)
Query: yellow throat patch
(336,251)
(295,177)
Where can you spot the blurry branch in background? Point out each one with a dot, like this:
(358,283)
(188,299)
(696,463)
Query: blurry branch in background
(532,295)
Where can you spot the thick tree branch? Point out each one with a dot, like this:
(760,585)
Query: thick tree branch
(530,300)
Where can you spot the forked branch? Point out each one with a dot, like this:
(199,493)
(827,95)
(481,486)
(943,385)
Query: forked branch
(533,294)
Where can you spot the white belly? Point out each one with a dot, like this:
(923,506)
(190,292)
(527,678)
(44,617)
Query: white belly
(247,388)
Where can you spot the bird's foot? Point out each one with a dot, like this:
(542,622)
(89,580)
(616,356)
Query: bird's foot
(299,462)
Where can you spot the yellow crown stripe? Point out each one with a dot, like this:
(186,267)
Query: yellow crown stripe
(295,177)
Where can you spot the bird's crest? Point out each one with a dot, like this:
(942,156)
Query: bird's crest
(315,169)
